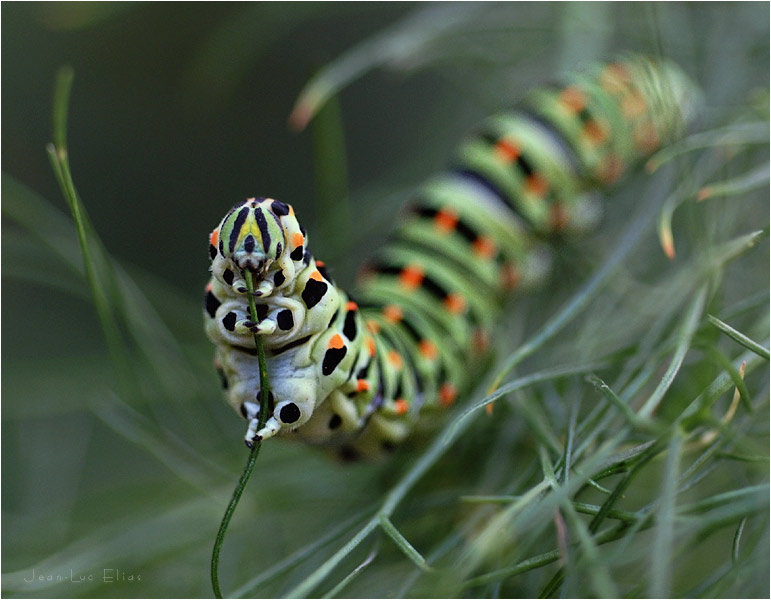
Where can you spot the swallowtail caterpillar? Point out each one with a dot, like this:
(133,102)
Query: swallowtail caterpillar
(358,374)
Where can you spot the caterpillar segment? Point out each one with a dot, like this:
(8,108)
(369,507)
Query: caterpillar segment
(358,375)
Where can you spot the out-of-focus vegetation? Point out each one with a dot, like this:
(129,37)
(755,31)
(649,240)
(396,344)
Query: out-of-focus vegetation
(119,454)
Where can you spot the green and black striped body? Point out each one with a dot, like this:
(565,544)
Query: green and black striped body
(357,375)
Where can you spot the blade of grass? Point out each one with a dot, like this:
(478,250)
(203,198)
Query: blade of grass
(629,416)
(719,386)
(736,374)
(294,559)
(589,561)
(335,591)
(742,184)
(331,177)
(517,384)
(733,135)
(58,155)
(403,544)
(737,541)
(739,337)
(307,585)
(660,574)
(684,337)
(406,38)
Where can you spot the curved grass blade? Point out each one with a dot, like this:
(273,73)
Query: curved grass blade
(739,337)
(405,39)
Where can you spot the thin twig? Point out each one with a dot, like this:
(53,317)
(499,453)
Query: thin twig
(247,472)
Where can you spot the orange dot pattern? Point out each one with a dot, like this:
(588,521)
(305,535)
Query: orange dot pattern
(393,313)
(411,277)
(446,220)
(336,342)
(424,339)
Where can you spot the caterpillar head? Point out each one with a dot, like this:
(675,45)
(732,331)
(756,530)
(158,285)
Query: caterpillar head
(251,236)
(262,236)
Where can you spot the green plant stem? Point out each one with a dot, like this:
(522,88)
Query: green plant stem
(59,157)
(247,472)
(739,337)
(683,345)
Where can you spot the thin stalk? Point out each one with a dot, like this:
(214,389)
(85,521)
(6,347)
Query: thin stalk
(683,345)
(59,157)
(739,337)
(404,545)
(247,472)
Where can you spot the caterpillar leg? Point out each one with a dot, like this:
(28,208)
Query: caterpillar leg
(264,327)
(250,411)
(272,427)
(287,415)
(264,288)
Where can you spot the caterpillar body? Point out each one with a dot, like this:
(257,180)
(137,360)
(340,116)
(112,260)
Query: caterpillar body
(357,374)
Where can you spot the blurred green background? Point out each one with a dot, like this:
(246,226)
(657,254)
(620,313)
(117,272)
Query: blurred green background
(180,110)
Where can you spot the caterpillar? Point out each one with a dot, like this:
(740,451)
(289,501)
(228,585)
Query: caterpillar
(357,374)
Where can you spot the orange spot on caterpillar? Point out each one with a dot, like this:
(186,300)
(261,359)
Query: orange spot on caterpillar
(510,276)
(455,303)
(428,349)
(558,216)
(595,131)
(351,305)
(395,359)
(484,247)
(447,394)
(336,342)
(401,406)
(613,78)
(392,313)
(208,287)
(370,346)
(480,340)
(446,220)
(633,105)
(373,326)
(573,98)
(646,138)
(411,277)
(611,169)
(316,275)
(214,237)
(297,240)
(320,263)
(362,385)
(620,71)
(537,184)
(703,194)
(507,151)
